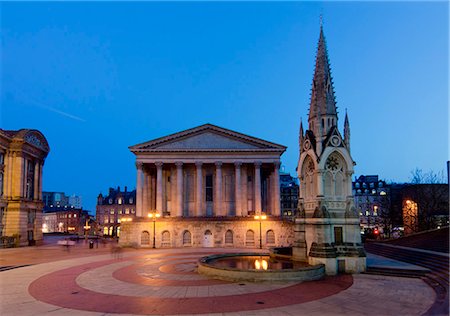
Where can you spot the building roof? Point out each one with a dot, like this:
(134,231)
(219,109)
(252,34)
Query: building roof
(207,138)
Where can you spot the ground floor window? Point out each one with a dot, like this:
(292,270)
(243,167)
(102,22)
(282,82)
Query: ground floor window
(145,238)
(250,238)
(187,239)
(165,240)
(270,237)
(229,237)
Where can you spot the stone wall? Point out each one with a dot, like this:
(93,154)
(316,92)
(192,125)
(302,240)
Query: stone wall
(207,232)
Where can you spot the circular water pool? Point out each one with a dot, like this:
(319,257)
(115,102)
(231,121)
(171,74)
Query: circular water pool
(255,267)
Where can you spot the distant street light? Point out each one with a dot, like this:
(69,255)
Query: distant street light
(154,216)
(86,228)
(260,218)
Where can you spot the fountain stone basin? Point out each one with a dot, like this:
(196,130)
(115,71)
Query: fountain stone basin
(239,267)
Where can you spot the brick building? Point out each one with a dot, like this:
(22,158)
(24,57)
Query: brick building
(112,208)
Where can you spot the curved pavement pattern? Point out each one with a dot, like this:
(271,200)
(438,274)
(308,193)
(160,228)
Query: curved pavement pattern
(165,282)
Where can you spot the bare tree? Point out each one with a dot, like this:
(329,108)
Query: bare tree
(429,191)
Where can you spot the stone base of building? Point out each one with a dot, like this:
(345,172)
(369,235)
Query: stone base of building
(338,265)
(207,232)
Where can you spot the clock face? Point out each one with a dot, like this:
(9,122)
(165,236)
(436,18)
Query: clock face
(335,141)
(332,163)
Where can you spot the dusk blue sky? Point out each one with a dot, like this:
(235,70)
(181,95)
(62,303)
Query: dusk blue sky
(97,77)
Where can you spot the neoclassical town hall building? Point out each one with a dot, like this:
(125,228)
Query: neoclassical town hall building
(203,187)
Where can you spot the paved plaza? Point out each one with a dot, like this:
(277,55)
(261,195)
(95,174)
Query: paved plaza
(164,282)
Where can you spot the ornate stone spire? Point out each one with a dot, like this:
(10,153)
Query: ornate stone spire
(347,131)
(300,137)
(323,102)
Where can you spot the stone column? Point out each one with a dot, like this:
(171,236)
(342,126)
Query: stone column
(145,194)
(276,189)
(348,182)
(41,171)
(218,198)
(238,188)
(257,187)
(244,195)
(159,187)
(36,181)
(139,189)
(179,199)
(199,190)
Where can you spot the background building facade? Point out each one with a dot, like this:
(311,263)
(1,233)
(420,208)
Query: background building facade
(289,190)
(113,208)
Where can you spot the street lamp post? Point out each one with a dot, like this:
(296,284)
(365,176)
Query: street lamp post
(260,218)
(86,228)
(154,216)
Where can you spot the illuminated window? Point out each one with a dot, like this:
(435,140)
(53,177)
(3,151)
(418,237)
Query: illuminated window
(382,193)
(111,212)
(367,213)
(375,210)
(131,200)
(74,215)
(119,201)
(127,211)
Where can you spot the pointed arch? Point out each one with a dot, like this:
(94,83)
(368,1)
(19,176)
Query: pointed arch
(308,186)
(328,183)
(339,184)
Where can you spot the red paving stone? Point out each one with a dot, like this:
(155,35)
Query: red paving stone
(130,274)
(60,288)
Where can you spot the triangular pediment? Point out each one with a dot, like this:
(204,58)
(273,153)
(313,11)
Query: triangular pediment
(334,139)
(207,137)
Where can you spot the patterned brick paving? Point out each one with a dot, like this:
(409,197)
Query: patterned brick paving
(165,282)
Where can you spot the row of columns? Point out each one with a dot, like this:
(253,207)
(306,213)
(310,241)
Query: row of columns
(143,183)
(15,176)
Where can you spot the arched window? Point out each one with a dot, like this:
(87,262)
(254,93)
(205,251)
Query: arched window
(145,238)
(309,182)
(339,184)
(229,237)
(270,237)
(328,180)
(105,230)
(187,240)
(165,239)
(250,238)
